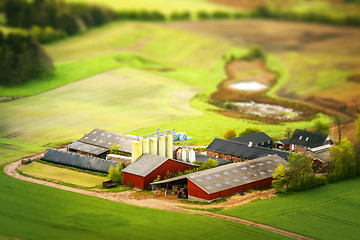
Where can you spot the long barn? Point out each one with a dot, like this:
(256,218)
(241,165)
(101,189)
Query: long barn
(214,183)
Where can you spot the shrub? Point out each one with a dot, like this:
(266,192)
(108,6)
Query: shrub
(322,127)
(115,174)
(249,130)
(231,133)
(254,53)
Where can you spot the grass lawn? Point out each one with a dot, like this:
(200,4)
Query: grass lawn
(327,212)
(31,211)
(65,175)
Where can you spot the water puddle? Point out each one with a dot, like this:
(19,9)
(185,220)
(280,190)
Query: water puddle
(248,86)
(267,110)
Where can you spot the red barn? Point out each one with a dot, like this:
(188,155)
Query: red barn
(214,183)
(146,168)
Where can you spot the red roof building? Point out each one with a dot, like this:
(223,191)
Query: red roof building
(146,168)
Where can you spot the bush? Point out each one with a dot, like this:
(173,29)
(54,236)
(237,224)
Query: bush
(179,16)
(322,127)
(249,130)
(115,174)
(202,15)
(230,134)
(47,34)
(254,53)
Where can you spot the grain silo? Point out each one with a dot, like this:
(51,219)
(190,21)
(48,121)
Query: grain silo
(162,146)
(154,145)
(146,145)
(169,146)
(136,150)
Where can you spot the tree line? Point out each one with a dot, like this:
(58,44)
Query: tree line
(21,59)
(300,173)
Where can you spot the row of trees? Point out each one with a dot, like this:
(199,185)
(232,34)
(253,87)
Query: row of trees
(21,59)
(231,133)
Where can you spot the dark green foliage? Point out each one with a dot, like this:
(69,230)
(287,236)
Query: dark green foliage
(180,16)
(21,59)
(248,131)
(143,15)
(322,127)
(220,15)
(202,15)
(254,53)
(47,34)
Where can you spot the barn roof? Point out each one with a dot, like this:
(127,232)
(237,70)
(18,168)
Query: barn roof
(106,139)
(88,148)
(78,160)
(242,150)
(307,138)
(232,175)
(255,138)
(203,158)
(147,163)
(283,141)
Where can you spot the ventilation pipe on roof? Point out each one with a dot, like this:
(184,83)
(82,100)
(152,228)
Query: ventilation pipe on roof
(250,144)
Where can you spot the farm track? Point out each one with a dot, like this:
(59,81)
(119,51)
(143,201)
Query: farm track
(124,197)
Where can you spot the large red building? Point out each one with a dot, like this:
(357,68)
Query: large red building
(214,183)
(146,168)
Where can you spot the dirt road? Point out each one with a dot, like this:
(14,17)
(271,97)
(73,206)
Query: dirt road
(131,197)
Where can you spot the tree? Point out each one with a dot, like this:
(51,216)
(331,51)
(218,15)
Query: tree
(248,131)
(339,120)
(114,149)
(322,127)
(281,179)
(343,164)
(210,163)
(288,132)
(357,134)
(230,134)
(115,174)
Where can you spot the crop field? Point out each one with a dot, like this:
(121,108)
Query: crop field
(31,211)
(327,212)
(52,173)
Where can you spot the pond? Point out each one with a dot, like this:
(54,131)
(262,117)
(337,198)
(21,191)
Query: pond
(267,110)
(248,86)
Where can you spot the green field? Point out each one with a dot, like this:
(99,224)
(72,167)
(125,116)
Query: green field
(32,211)
(52,173)
(164,6)
(327,212)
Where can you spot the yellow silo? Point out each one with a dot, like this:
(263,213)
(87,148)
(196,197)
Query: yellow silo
(169,146)
(146,145)
(162,146)
(154,145)
(136,149)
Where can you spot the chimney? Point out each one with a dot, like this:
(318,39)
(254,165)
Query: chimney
(250,144)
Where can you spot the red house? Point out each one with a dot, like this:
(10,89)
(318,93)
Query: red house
(211,184)
(146,168)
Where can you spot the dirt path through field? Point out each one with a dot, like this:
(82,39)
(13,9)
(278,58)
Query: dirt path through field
(131,197)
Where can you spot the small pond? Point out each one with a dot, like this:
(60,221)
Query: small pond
(267,110)
(248,86)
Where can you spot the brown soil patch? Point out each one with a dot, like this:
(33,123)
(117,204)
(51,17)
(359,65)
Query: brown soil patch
(354,78)
(238,71)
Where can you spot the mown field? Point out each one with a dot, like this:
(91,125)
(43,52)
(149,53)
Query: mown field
(53,173)
(327,212)
(31,211)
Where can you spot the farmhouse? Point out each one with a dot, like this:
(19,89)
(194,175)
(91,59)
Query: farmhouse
(214,183)
(282,144)
(320,155)
(148,166)
(238,152)
(302,140)
(98,142)
(78,160)
(260,139)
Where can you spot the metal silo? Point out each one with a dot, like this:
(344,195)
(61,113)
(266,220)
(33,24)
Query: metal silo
(184,154)
(136,149)
(146,145)
(192,156)
(154,145)
(169,146)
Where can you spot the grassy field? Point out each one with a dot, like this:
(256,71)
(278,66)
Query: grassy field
(44,171)
(31,211)
(328,212)
(164,6)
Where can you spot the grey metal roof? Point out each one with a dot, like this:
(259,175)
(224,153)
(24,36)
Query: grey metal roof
(148,163)
(255,138)
(243,150)
(106,139)
(321,149)
(307,138)
(232,175)
(283,141)
(78,160)
(236,174)
(203,158)
(88,148)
